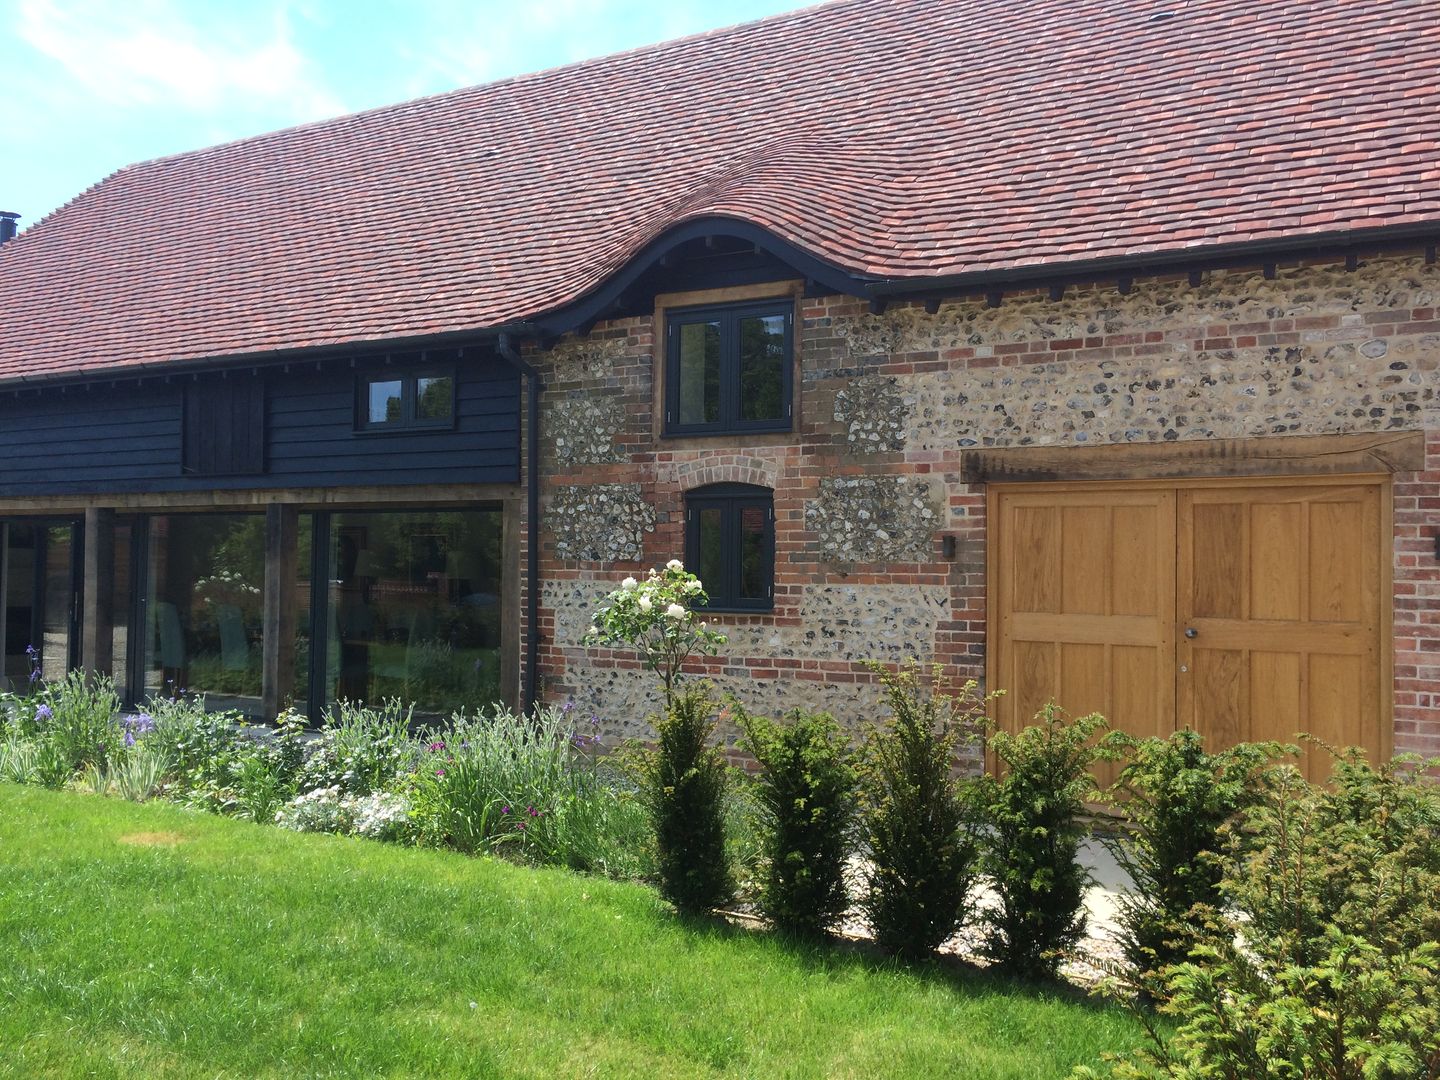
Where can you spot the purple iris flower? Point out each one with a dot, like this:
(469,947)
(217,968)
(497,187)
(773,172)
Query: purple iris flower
(43,712)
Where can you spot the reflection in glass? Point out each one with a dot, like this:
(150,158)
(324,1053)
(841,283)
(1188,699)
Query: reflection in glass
(414,608)
(57,602)
(434,397)
(699,389)
(711,570)
(204,608)
(385,401)
(762,370)
(754,574)
(120,604)
(19,545)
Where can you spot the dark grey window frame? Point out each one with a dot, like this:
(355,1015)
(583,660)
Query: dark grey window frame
(409,380)
(728,316)
(731,500)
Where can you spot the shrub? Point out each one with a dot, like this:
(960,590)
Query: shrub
(30,760)
(685,790)
(917,822)
(203,748)
(1325,959)
(362,748)
(654,617)
(1033,815)
(379,815)
(1175,797)
(806,785)
(522,786)
(79,717)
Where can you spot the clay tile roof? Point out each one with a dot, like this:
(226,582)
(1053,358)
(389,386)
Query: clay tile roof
(892,138)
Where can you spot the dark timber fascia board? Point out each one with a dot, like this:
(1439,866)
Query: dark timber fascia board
(593,306)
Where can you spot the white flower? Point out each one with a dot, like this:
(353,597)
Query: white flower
(703,625)
(692,586)
(674,611)
(629,583)
(594,630)
(644,603)
(674,564)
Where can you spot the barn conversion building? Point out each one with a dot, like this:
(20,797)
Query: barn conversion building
(1086,349)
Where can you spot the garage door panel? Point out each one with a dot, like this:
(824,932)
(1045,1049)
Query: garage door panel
(1336,535)
(1035,678)
(1276,572)
(1084,579)
(1218,550)
(1135,537)
(1279,584)
(1036,565)
(1277,695)
(1221,690)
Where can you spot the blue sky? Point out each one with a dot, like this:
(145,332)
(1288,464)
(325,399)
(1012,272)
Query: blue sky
(87,86)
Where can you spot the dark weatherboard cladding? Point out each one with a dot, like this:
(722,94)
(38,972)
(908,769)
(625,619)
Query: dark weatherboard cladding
(132,438)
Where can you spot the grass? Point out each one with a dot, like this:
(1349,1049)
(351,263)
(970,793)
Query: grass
(145,940)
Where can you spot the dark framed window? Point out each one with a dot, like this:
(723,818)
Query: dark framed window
(730,545)
(729,369)
(405,400)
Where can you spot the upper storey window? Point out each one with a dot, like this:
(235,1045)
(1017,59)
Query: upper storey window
(728,369)
(393,400)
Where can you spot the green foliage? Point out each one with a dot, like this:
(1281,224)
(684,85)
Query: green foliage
(1175,797)
(1033,812)
(655,617)
(524,786)
(1324,960)
(31,760)
(806,785)
(78,717)
(134,774)
(917,820)
(362,748)
(685,791)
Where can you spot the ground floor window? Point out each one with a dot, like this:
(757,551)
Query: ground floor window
(388,604)
(410,608)
(202,606)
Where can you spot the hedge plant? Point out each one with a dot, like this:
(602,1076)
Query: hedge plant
(806,784)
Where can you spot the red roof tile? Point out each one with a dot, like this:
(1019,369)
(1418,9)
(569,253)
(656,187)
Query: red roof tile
(894,138)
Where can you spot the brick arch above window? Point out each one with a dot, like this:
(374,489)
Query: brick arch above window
(725,469)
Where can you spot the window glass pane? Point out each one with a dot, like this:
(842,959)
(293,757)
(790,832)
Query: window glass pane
(205,608)
(699,388)
(384,401)
(754,583)
(20,541)
(414,609)
(120,603)
(710,567)
(434,397)
(58,602)
(762,368)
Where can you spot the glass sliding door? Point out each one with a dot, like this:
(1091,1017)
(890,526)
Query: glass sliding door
(204,580)
(39,579)
(410,608)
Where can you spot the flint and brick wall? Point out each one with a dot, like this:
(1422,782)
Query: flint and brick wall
(869,482)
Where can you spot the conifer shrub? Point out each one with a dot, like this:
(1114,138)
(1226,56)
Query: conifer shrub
(685,789)
(1033,812)
(1323,959)
(806,785)
(918,821)
(1175,797)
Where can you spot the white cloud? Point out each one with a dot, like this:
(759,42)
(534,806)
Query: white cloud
(151,53)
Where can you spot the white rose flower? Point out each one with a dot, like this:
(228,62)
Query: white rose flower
(674,564)
(594,630)
(644,603)
(674,611)
(629,583)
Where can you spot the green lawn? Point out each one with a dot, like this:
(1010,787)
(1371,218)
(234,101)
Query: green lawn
(148,941)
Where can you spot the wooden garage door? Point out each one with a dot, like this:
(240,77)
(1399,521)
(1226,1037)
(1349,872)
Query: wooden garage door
(1243,611)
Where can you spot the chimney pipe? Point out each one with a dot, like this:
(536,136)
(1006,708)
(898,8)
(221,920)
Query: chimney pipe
(8,228)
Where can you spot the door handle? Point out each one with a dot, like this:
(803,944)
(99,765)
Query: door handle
(1191,632)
